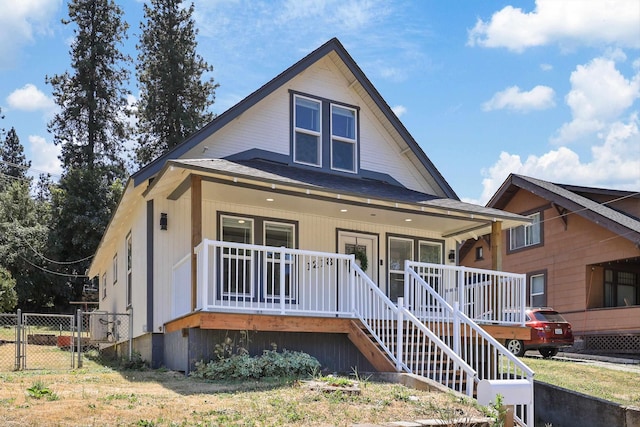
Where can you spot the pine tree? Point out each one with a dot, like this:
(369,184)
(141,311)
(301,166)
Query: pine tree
(91,126)
(13,163)
(174,97)
(91,129)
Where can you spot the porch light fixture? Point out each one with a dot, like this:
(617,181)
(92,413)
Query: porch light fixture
(452,256)
(163,221)
(269,199)
(343,210)
(408,220)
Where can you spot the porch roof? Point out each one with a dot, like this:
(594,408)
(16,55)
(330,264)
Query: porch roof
(465,219)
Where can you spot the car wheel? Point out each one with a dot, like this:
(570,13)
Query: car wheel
(516,347)
(547,352)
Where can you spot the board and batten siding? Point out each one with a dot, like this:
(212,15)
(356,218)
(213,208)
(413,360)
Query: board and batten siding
(170,246)
(266,126)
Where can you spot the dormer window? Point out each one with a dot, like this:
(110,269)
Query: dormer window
(343,138)
(329,144)
(307,146)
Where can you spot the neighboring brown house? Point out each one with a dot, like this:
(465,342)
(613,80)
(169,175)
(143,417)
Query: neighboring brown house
(581,255)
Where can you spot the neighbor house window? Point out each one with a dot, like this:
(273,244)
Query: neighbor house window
(479,253)
(343,138)
(621,288)
(325,133)
(307,147)
(537,297)
(526,235)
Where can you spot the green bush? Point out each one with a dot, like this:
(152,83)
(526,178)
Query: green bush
(290,364)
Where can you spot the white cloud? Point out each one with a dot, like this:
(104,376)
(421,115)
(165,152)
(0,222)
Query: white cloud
(20,21)
(30,98)
(615,163)
(44,156)
(599,95)
(512,98)
(566,22)
(399,110)
(546,67)
(347,15)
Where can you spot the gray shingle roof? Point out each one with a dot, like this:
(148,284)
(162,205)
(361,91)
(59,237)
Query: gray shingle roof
(341,184)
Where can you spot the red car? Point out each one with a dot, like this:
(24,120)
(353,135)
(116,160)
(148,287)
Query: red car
(549,332)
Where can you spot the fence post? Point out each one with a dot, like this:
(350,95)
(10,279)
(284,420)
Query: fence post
(130,319)
(18,363)
(79,332)
(400,332)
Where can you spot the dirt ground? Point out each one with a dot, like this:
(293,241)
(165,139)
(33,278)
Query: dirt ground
(105,397)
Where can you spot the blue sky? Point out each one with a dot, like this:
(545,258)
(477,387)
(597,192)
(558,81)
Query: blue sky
(546,88)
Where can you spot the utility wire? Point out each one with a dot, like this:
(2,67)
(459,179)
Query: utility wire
(52,272)
(53,261)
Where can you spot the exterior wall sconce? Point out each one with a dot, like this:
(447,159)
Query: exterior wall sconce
(452,256)
(163,221)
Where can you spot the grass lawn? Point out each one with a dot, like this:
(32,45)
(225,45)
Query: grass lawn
(598,380)
(99,396)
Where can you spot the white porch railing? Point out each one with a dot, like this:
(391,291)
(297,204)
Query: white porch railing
(485,296)
(488,358)
(407,341)
(432,332)
(240,277)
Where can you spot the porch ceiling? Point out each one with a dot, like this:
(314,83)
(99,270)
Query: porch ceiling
(242,185)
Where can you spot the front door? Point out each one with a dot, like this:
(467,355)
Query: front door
(365,246)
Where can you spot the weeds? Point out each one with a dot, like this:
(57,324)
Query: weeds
(39,390)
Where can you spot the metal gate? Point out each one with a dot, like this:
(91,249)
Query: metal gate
(62,341)
(45,341)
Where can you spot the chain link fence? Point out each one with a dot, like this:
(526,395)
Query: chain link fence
(8,330)
(62,341)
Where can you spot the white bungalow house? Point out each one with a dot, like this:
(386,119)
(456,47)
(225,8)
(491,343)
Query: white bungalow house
(307,215)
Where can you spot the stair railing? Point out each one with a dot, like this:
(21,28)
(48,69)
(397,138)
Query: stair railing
(407,342)
(488,357)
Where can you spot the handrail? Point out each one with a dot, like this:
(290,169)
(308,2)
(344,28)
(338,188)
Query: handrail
(403,359)
(494,362)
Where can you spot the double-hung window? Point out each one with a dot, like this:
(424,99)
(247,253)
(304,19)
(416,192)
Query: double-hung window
(325,134)
(526,235)
(307,146)
(343,138)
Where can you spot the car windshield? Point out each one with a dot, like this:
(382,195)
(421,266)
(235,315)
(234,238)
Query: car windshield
(548,316)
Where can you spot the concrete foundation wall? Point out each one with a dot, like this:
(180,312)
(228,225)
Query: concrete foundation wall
(564,408)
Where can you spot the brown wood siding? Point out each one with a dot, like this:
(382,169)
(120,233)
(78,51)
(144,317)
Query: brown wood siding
(568,254)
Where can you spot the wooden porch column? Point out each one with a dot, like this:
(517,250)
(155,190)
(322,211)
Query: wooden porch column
(196,234)
(496,245)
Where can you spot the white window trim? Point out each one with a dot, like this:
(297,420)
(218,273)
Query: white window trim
(296,129)
(353,141)
(527,233)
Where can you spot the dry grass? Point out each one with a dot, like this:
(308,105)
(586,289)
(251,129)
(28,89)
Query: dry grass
(98,396)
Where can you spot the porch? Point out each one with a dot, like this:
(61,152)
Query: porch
(447,324)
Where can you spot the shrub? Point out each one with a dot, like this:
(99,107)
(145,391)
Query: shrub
(288,364)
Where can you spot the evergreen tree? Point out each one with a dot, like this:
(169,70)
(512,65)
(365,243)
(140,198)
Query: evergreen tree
(13,163)
(23,238)
(174,97)
(91,126)
(91,129)
(8,295)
